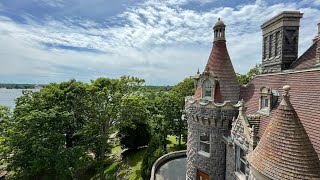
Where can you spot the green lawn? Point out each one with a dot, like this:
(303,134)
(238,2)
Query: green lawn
(173,144)
(116,150)
(111,171)
(135,162)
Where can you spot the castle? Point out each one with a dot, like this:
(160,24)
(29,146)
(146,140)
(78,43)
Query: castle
(267,129)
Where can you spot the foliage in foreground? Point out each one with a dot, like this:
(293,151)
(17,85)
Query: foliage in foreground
(63,131)
(135,133)
(57,131)
(154,151)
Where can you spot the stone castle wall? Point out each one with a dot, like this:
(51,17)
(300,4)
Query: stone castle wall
(230,160)
(214,121)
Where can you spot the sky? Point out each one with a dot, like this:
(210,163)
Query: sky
(161,41)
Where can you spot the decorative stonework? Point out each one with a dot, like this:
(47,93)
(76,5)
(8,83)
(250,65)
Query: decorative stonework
(213,119)
(243,135)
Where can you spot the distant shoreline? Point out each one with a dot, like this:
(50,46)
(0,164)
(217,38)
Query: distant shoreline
(21,86)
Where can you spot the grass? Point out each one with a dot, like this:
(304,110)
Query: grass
(111,171)
(116,150)
(135,162)
(135,158)
(173,144)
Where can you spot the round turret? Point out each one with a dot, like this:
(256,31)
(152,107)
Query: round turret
(219,31)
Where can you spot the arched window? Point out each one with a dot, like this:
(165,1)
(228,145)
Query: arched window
(207,88)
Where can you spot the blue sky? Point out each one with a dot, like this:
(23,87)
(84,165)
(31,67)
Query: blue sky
(161,41)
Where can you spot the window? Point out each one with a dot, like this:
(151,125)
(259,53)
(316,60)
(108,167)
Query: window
(264,48)
(205,143)
(276,51)
(270,46)
(207,89)
(264,102)
(240,160)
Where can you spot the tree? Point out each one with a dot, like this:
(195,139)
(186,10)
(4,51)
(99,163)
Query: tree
(44,136)
(166,109)
(105,97)
(5,122)
(178,94)
(132,137)
(37,139)
(245,78)
(135,132)
(153,152)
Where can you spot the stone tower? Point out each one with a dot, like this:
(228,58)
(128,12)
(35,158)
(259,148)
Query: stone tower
(210,112)
(280,41)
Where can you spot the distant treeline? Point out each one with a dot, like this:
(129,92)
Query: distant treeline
(34,86)
(160,88)
(21,86)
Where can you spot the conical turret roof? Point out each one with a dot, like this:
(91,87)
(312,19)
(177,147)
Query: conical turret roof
(219,64)
(285,150)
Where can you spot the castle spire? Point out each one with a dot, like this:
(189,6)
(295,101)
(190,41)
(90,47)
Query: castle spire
(219,65)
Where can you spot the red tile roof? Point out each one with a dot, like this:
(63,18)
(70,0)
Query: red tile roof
(285,150)
(308,59)
(217,93)
(305,97)
(219,63)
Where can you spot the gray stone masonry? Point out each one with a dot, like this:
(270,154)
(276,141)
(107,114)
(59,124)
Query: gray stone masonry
(230,160)
(213,121)
(280,41)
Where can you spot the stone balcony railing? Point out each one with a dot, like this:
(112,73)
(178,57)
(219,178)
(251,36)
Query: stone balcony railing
(165,158)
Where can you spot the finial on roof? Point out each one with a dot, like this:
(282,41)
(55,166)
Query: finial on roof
(286,101)
(286,90)
(198,72)
(219,23)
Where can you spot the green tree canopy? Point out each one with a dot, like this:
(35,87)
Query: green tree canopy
(245,78)
(135,131)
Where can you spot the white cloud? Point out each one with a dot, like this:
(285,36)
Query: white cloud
(160,42)
(51,3)
(313,2)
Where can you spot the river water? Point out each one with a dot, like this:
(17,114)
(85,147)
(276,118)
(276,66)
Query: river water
(7,96)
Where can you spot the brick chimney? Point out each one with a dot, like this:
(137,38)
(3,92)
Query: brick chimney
(280,41)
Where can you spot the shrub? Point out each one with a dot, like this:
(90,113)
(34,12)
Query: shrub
(154,151)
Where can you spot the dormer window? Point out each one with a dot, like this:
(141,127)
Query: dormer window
(265,101)
(207,89)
